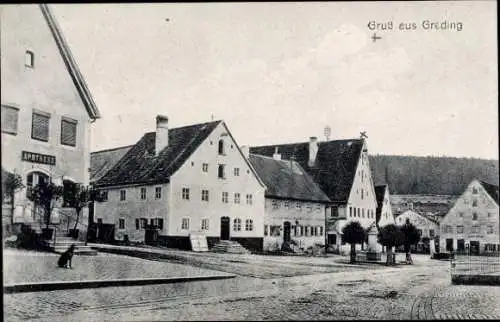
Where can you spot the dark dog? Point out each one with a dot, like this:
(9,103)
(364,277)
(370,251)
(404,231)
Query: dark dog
(65,259)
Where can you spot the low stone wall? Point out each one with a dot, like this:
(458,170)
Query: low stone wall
(468,279)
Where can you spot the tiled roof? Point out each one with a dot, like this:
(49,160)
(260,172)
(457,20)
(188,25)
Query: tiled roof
(379,195)
(102,161)
(140,165)
(286,179)
(491,189)
(335,167)
(70,63)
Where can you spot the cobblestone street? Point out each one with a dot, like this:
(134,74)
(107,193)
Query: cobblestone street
(27,266)
(421,291)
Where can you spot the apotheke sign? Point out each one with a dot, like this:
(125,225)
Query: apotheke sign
(38,158)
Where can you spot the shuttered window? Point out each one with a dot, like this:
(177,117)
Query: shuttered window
(40,126)
(68,132)
(9,119)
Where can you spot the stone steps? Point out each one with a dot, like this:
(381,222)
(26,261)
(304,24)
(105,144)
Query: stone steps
(62,244)
(231,247)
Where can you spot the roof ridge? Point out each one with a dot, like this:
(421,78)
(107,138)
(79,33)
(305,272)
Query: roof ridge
(112,149)
(69,61)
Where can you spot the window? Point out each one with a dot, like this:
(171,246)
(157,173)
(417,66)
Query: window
(350,211)
(157,223)
(321,230)
(474,191)
(123,195)
(144,223)
(363,212)
(449,244)
(461,215)
(431,233)
(249,199)
(318,209)
(221,173)
(316,231)
(474,203)
(185,193)
(225,197)
(221,147)
(29,59)
(236,172)
(237,224)
(419,231)
(309,209)
(265,230)
(275,231)
(236,198)
(460,229)
(204,167)
(204,224)
(298,206)
(185,223)
(121,223)
(489,230)
(10,116)
(301,230)
(104,196)
(447,229)
(143,193)
(99,221)
(68,132)
(489,214)
(286,204)
(362,193)
(137,224)
(158,193)
(275,203)
(474,216)
(475,229)
(40,126)
(204,195)
(249,225)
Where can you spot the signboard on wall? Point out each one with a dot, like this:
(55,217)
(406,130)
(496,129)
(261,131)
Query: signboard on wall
(198,243)
(38,158)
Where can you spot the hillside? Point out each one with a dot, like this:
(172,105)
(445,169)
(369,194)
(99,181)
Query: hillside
(431,175)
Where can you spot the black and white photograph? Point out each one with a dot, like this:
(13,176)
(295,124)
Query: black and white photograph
(269,161)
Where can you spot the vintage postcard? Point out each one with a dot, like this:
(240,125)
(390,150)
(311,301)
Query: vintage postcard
(250,161)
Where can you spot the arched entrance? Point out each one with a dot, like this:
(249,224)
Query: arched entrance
(224,228)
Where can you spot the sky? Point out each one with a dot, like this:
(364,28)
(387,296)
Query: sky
(282,72)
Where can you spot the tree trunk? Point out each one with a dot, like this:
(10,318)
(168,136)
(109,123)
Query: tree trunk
(78,211)
(353,253)
(389,261)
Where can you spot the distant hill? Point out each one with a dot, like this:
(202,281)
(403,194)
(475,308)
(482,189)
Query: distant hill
(431,175)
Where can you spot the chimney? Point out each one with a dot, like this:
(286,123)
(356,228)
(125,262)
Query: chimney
(245,149)
(313,150)
(161,133)
(276,155)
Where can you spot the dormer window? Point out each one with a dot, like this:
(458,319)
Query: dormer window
(29,59)
(221,147)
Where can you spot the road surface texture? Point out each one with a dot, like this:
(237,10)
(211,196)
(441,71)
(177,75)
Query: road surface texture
(420,291)
(29,266)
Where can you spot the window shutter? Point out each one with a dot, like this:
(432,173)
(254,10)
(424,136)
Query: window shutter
(136,223)
(40,127)
(9,119)
(68,132)
(160,223)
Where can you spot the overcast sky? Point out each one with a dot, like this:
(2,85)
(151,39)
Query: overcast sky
(281,72)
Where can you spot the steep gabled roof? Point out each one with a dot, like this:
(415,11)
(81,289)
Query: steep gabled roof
(335,167)
(104,160)
(140,165)
(70,63)
(286,180)
(379,195)
(491,189)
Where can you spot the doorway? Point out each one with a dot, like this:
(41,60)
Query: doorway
(224,228)
(286,231)
(474,247)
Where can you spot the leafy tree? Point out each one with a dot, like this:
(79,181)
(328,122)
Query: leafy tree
(11,183)
(353,233)
(390,236)
(81,197)
(411,237)
(45,195)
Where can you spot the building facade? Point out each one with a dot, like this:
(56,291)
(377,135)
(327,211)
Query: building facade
(342,170)
(185,180)
(427,227)
(295,206)
(472,224)
(384,215)
(47,109)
